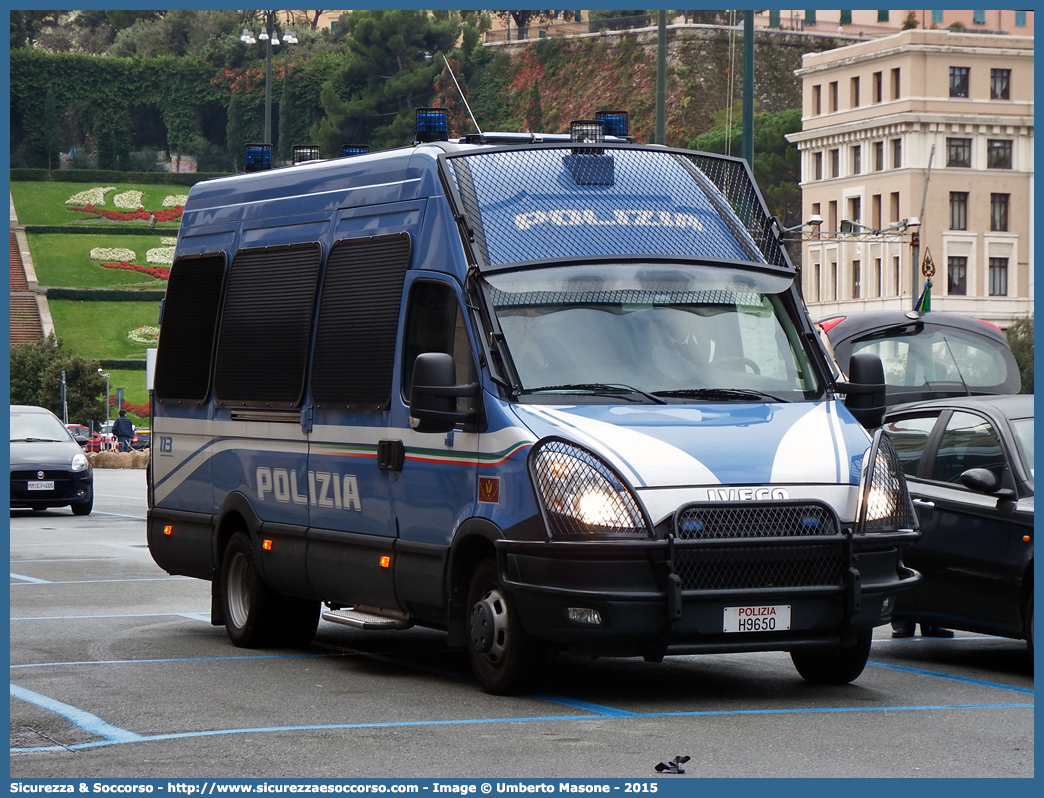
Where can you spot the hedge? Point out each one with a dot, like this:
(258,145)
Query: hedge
(105,294)
(126,364)
(99,176)
(69,229)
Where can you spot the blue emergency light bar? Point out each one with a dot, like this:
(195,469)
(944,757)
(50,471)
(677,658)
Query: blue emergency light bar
(432,124)
(306,152)
(257,157)
(348,150)
(613,122)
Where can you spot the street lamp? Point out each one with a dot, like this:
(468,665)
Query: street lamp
(106,376)
(272,40)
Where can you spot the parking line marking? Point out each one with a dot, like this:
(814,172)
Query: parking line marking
(168,659)
(89,723)
(104,581)
(122,515)
(30,579)
(603,711)
(192,615)
(466,721)
(939,675)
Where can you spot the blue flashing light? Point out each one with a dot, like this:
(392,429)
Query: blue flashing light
(257,157)
(306,152)
(614,122)
(347,150)
(432,124)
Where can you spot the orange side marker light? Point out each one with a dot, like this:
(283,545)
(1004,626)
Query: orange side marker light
(385,561)
(266,545)
(168,530)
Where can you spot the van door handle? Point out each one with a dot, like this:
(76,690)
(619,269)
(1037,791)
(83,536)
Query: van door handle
(390,455)
(924,503)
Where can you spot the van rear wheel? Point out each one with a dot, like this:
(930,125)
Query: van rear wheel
(255,616)
(503,657)
(834,667)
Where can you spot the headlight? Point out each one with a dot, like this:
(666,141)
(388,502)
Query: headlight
(580,495)
(79,461)
(884,500)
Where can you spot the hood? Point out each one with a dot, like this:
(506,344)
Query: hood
(656,446)
(44,455)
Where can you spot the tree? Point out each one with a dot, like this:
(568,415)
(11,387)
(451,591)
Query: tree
(36,379)
(911,20)
(1020,339)
(525,18)
(390,71)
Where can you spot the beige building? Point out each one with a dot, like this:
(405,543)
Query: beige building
(875,115)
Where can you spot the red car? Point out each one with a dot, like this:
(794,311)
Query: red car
(94,442)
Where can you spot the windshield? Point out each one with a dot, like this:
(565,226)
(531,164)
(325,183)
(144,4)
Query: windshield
(670,332)
(1023,429)
(37,427)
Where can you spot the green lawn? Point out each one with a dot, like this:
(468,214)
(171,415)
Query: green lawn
(64,260)
(44,203)
(99,329)
(132,382)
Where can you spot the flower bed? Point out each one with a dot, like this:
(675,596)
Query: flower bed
(143,334)
(155,271)
(127,216)
(160,255)
(90,197)
(128,199)
(174,200)
(112,254)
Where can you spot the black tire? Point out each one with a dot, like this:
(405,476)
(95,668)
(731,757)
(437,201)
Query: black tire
(255,616)
(834,667)
(504,658)
(85,507)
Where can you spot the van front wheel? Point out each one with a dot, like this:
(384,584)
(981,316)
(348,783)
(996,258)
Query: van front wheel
(834,667)
(503,657)
(254,615)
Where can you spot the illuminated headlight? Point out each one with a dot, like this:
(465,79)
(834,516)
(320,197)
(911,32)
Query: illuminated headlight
(580,495)
(79,462)
(884,501)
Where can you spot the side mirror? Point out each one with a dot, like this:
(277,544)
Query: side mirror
(80,439)
(865,391)
(982,480)
(434,392)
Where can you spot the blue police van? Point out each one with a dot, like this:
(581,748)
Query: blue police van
(544,393)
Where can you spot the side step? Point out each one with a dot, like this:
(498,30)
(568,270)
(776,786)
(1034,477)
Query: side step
(368,618)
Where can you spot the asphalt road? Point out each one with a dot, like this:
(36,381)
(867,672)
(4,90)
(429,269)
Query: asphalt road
(117,672)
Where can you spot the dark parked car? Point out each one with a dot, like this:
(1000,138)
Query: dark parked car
(927,355)
(48,466)
(969,466)
(142,440)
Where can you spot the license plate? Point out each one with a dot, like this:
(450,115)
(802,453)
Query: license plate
(765,618)
(41,485)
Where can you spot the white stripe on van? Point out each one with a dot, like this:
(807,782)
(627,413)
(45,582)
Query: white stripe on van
(812,450)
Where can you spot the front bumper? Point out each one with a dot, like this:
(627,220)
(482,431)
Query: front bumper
(656,597)
(69,487)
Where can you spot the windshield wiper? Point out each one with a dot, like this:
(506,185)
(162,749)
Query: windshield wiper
(721,393)
(597,387)
(34,440)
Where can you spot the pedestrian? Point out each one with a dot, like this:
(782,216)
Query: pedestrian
(124,431)
(152,221)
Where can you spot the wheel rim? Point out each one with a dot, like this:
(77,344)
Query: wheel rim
(493,609)
(237,586)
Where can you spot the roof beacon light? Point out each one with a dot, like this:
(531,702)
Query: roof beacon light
(347,150)
(587,131)
(432,124)
(257,157)
(306,152)
(613,122)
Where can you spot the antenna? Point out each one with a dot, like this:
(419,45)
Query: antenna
(956,366)
(473,120)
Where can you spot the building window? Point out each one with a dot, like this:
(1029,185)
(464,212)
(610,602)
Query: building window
(979,17)
(833,279)
(878,277)
(958,210)
(846,17)
(1000,84)
(810,17)
(833,95)
(882,16)
(894,206)
(835,163)
(998,154)
(958,152)
(857,159)
(818,288)
(957,275)
(856,280)
(937,17)
(895,83)
(875,211)
(817,163)
(832,216)
(878,156)
(959,81)
(999,212)
(998,276)
(817,100)
(854,93)
(855,209)
(878,87)
(895,273)
(897,153)
(1020,19)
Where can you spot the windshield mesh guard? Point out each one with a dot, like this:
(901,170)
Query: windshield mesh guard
(525,204)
